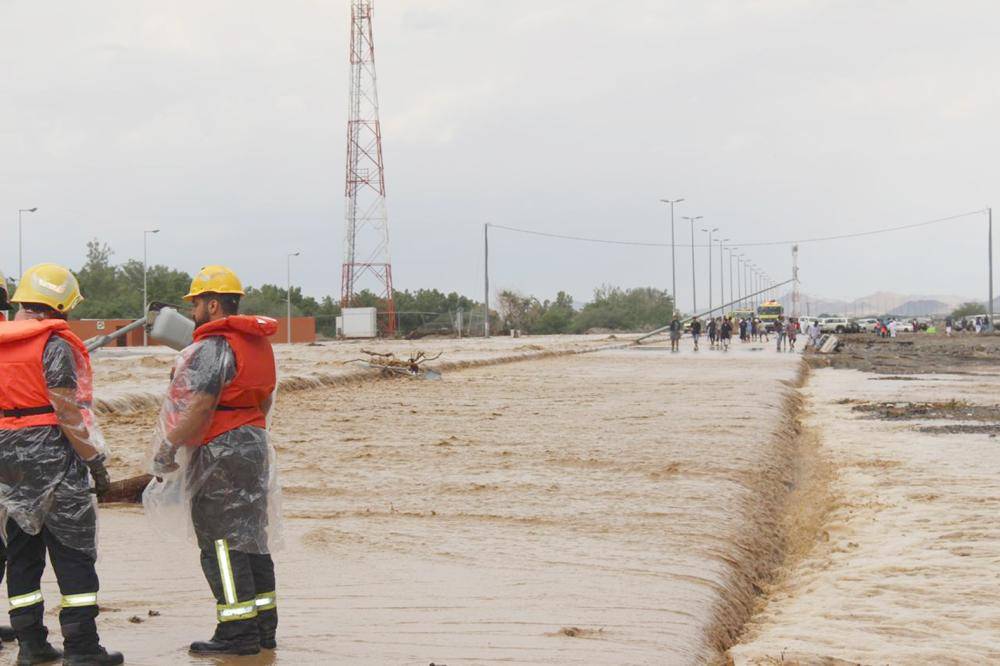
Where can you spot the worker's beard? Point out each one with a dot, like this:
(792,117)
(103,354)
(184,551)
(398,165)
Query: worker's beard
(28,315)
(200,320)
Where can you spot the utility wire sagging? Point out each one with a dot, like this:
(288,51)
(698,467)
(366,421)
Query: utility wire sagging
(817,239)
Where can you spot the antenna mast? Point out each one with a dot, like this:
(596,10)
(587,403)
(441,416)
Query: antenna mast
(366,225)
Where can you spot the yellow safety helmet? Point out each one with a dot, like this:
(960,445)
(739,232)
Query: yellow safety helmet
(49,284)
(214,280)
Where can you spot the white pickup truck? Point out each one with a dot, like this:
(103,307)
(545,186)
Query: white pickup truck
(837,325)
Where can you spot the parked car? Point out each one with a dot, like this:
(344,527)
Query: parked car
(868,324)
(838,325)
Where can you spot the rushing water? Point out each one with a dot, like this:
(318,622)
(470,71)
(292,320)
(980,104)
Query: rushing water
(597,509)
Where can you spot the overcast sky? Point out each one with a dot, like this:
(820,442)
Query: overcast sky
(223,124)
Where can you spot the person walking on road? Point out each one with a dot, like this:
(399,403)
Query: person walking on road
(791,330)
(695,331)
(216,411)
(814,334)
(675,333)
(712,332)
(779,331)
(51,449)
(726,333)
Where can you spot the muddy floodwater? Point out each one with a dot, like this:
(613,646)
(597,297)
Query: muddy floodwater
(603,508)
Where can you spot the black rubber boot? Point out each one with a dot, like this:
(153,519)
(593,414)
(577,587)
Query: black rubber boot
(267,624)
(100,658)
(225,647)
(37,652)
(239,637)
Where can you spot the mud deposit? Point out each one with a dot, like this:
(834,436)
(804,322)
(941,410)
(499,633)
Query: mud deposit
(597,508)
(911,353)
(904,571)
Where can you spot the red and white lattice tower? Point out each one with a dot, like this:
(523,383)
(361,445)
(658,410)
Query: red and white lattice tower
(366,226)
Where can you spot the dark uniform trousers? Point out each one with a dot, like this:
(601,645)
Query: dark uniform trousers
(229,512)
(78,584)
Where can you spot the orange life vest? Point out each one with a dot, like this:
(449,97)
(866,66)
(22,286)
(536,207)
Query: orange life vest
(24,394)
(256,377)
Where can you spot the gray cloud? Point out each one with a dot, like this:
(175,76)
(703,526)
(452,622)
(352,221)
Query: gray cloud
(223,124)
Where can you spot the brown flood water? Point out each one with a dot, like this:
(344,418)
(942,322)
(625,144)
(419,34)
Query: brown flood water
(585,510)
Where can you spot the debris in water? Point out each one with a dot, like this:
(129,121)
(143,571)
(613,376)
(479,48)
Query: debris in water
(390,366)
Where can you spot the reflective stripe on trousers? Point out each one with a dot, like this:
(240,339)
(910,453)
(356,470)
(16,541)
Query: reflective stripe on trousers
(266,601)
(23,600)
(79,600)
(233,609)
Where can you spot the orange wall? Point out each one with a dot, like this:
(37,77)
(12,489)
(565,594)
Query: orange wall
(303,330)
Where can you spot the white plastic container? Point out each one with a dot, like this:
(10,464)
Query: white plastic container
(171,328)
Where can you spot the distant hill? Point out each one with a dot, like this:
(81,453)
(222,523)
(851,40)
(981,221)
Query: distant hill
(883,302)
(921,308)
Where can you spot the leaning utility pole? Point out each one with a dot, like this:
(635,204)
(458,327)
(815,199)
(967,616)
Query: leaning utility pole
(366,225)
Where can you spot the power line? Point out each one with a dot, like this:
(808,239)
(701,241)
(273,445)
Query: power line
(817,239)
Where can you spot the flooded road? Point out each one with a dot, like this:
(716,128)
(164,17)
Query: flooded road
(602,508)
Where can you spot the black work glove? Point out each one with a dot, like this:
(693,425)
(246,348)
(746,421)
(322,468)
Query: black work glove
(102,482)
(164,462)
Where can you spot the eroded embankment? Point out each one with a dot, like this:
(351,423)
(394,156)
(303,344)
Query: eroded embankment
(785,512)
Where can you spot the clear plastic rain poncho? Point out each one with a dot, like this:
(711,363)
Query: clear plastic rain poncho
(43,479)
(225,489)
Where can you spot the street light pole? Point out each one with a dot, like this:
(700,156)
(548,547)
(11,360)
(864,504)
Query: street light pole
(732,252)
(673,251)
(710,231)
(288,294)
(694,281)
(722,272)
(989,216)
(145,271)
(486,280)
(20,247)
(746,283)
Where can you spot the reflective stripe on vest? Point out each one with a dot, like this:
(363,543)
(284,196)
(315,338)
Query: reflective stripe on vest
(25,600)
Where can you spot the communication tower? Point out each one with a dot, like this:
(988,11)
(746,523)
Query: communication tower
(366,225)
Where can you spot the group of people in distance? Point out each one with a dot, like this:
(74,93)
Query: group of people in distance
(720,331)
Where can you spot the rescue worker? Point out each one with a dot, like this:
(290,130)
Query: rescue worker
(215,414)
(6,633)
(4,306)
(50,449)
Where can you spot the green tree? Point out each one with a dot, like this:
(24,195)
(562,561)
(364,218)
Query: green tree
(967,309)
(556,317)
(614,308)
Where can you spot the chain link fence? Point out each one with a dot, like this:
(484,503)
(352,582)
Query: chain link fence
(413,325)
